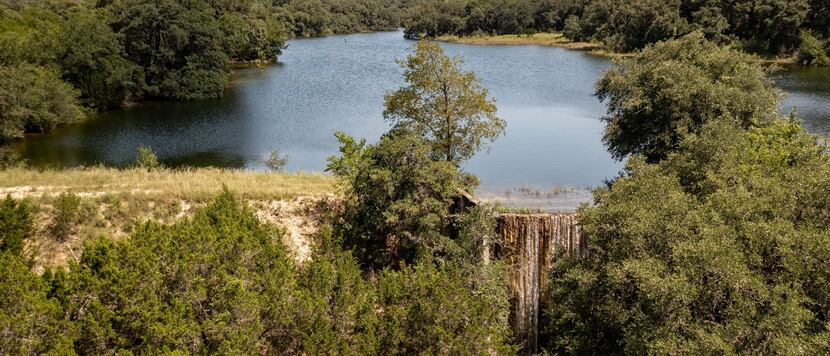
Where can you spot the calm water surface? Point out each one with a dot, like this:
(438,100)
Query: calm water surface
(337,83)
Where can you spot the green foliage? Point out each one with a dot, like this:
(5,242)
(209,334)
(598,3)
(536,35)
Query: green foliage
(93,60)
(573,29)
(16,225)
(433,310)
(147,159)
(34,99)
(768,26)
(31,322)
(673,88)
(443,104)
(472,17)
(222,282)
(397,198)
(31,35)
(336,305)
(720,248)
(813,52)
(628,25)
(67,208)
(316,17)
(219,283)
(179,45)
(126,49)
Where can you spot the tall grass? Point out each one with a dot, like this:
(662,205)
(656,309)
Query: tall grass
(196,184)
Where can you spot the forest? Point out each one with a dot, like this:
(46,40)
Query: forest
(63,59)
(764,27)
(714,239)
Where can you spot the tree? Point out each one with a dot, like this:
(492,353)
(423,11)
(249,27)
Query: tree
(34,99)
(770,26)
(94,62)
(397,198)
(720,248)
(629,25)
(445,105)
(180,45)
(812,52)
(673,88)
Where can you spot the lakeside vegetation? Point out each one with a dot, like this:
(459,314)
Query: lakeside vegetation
(552,39)
(62,59)
(770,28)
(391,271)
(714,240)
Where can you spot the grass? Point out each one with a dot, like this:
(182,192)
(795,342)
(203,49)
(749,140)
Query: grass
(554,39)
(189,184)
(110,202)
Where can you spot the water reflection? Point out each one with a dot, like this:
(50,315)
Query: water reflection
(327,84)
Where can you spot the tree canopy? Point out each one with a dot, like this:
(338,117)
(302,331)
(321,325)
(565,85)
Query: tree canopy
(673,88)
(720,246)
(443,104)
(766,26)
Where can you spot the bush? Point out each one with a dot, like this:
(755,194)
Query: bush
(66,216)
(276,161)
(219,283)
(32,323)
(16,225)
(434,310)
(813,52)
(147,159)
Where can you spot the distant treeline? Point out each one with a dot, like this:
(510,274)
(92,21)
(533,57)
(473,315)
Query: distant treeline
(322,17)
(763,26)
(60,58)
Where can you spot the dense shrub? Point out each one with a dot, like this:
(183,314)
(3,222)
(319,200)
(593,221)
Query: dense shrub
(67,207)
(720,248)
(16,225)
(32,323)
(223,282)
(446,309)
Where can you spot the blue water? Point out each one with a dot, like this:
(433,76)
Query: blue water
(337,83)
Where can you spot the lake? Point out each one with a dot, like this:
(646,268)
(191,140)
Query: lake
(337,83)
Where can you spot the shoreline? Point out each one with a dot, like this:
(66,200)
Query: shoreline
(558,40)
(550,39)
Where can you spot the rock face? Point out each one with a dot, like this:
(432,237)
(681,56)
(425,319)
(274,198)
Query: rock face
(529,243)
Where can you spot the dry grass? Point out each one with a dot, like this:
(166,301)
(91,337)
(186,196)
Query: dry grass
(113,201)
(188,184)
(539,39)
